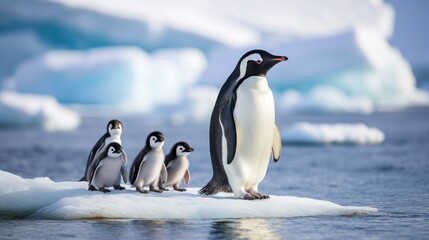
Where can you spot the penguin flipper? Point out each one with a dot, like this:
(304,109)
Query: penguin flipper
(187,177)
(97,163)
(164,174)
(124,173)
(124,158)
(277,144)
(136,165)
(229,129)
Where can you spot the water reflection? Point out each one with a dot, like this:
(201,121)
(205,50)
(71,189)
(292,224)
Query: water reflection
(246,228)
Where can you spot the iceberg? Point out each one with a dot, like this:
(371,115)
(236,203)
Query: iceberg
(123,77)
(41,198)
(18,109)
(340,47)
(356,71)
(337,133)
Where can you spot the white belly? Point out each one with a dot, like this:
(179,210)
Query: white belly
(150,170)
(108,173)
(177,170)
(254,116)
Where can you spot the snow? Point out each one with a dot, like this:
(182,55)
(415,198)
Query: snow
(337,133)
(17,109)
(42,198)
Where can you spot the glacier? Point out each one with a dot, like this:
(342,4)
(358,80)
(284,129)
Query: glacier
(148,58)
(41,198)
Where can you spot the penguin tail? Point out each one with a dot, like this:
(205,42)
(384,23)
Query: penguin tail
(214,187)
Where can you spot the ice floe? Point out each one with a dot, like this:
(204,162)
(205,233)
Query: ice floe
(42,198)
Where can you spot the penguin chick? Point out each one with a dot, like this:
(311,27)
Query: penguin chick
(148,166)
(113,134)
(106,170)
(177,165)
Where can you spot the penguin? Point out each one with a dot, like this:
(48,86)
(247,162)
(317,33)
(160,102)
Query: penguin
(243,132)
(177,165)
(148,167)
(106,169)
(113,134)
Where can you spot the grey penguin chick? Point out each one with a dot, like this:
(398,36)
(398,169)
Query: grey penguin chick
(106,170)
(243,132)
(113,134)
(177,165)
(148,167)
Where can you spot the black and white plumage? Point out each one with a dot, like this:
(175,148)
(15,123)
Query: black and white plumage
(148,167)
(243,131)
(113,134)
(177,165)
(107,168)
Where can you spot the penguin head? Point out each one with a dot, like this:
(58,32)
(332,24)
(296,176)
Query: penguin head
(155,139)
(114,127)
(257,63)
(114,150)
(182,149)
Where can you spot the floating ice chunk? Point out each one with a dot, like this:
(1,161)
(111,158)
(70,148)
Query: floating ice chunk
(125,77)
(71,200)
(17,109)
(308,133)
(324,99)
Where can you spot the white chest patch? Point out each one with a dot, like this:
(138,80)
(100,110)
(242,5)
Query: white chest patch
(254,116)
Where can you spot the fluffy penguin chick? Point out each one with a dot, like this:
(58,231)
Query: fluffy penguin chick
(177,165)
(106,170)
(148,167)
(113,134)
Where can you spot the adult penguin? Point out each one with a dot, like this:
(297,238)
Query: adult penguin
(243,131)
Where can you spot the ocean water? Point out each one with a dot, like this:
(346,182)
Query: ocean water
(392,177)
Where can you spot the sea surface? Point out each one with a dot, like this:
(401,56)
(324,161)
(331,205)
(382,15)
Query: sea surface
(392,177)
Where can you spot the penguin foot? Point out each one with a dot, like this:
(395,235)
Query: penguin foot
(179,189)
(163,189)
(141,190)
(118,187)
(248,196)
(92,188)
(259,195)
(152,189)
(105,190)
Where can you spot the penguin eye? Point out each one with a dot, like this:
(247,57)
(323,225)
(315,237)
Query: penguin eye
(181,148)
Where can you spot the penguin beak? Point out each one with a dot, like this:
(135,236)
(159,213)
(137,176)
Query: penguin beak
(160,139)
(188,150)
(280,58)
(118,151)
